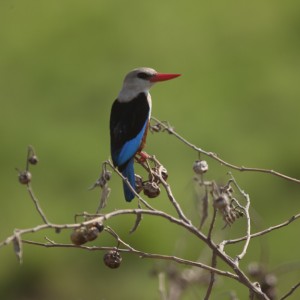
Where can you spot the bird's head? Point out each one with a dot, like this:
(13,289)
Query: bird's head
(141,80)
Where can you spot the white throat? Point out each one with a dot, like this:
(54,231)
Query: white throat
(127,97)
(127,94)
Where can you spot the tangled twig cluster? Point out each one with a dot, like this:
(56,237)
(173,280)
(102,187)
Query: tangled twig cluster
(227,199)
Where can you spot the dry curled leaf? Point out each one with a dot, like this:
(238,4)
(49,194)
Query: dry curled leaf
(138,220)
(17,243)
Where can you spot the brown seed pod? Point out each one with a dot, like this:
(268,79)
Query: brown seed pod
(93,230)
(138,183)
(79,236)
(24,177)
(200,166)
(92,233)
(112,259)
(151,189)
(33,160)
(99,226)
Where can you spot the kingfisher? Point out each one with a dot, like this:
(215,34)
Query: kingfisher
(129,121)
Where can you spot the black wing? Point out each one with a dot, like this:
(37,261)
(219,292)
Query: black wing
(127,119)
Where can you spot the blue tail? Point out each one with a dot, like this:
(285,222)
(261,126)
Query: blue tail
(128,172)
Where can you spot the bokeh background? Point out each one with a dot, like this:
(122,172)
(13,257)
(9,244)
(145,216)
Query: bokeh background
(61,66)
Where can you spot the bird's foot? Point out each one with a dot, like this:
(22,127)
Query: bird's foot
(141,156)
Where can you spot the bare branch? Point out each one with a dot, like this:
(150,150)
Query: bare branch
(141,254)
(101,219)
(158,177)
(25,178)
(291,291)
(214,156)
(211,227)
(212,276)
(36,203)
(263,232)
(170,194)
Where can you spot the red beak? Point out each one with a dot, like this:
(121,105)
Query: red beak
(163,77)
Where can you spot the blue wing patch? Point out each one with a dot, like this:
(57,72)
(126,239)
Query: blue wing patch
(129,148)
(128,172)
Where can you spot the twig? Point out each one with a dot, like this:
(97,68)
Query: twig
(204,203)
(292,290)
(212,224)
(212,276)
(263,232)
(36,203)
(170,194)
(214,156)
(32,159)
(141,254)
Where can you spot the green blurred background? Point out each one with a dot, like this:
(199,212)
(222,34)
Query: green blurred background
(61,66)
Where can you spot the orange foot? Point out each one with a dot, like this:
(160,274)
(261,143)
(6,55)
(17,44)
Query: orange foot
(142,156)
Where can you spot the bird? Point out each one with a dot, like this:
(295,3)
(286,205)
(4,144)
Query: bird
(129,121)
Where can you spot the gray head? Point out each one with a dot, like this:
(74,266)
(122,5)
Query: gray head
(140,80)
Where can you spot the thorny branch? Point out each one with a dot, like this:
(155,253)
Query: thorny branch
(93,224)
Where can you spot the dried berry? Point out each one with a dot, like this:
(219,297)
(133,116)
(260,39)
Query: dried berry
(86,233)
(98,225)
(79,236)
(107,175)
(138,183)
(200,166)
(33,160)
(92,233)
(93,230)
(112,259)
(24,177)
(101,182)
(164,173)
(151,189)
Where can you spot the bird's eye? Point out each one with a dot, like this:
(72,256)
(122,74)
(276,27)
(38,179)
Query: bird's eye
(144,75)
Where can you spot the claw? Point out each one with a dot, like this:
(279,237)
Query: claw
(141,156)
